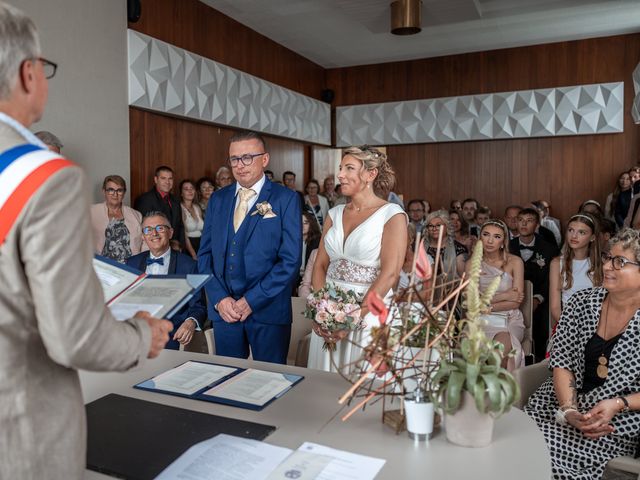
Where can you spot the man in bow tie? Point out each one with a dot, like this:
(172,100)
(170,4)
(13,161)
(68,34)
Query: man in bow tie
(536,253)
(252,243)
(162,260)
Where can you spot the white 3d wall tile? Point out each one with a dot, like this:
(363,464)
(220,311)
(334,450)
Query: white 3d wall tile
(578,110)
(635,108)
(171,80)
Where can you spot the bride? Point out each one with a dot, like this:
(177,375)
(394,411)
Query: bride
(362,249)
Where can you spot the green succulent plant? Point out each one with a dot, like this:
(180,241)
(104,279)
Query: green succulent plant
(472,362)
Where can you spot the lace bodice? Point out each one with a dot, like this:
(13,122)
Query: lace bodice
(355,261)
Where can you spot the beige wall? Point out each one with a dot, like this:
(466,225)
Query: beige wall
(87,105)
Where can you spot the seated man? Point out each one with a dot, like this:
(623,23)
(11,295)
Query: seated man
(161,260)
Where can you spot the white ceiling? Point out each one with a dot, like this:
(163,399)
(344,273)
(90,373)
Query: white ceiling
(339,33)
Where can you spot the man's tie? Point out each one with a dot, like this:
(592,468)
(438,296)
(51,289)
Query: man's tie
(151,261)
(245,194)
(526,247)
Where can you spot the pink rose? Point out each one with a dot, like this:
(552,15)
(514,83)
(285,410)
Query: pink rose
(323,305)
(331,307)
(322,317)
(340,317)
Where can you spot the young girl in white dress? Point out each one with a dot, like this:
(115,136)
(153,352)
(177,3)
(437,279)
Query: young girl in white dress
(362,249)
(578,267)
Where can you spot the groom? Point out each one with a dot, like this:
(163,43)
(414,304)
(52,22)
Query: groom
(252,243)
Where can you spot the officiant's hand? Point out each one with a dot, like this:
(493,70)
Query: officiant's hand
(160,330)
(227,311)
(243,308)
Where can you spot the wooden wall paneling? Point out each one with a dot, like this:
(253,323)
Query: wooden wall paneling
(564,170)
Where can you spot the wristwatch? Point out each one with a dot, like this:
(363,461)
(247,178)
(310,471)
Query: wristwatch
(625,404)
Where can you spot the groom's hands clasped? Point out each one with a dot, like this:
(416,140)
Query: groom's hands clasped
(233,311)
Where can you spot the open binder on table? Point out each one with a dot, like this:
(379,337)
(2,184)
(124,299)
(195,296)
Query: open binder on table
(127,290)
(239,387)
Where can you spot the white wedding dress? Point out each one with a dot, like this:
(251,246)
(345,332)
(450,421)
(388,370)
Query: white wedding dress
(354,265)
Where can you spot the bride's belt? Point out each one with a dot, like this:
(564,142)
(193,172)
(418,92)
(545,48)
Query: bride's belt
(344,270)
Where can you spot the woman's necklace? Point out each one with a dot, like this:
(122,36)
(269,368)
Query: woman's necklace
(114,212)
(602,369)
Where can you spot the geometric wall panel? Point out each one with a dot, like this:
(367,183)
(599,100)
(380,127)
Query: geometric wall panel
(578,110)
(635,108)
(172,80)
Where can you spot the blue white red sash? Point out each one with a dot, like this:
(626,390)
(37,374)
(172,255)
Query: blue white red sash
(23,170)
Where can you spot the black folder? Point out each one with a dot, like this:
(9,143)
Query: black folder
(135,439)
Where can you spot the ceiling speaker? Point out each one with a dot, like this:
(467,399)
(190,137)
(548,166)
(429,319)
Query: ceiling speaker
(406,17)
(134,9)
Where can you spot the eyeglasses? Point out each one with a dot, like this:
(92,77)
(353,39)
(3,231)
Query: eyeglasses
(48,67)
(114,191)
(434,227)
(618,262)
(246,159)
(157,228)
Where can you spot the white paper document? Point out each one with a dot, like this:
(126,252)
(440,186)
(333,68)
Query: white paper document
(301,466)
(125,311)
(225,457)
(191,377)
(344,465)
(113,279)
(255,387)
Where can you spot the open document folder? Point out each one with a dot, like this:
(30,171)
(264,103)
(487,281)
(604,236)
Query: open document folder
(127,290)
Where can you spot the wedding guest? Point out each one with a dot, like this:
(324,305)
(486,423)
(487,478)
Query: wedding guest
(618,201)
(52,142)
(469,208)
(340,198)
(455,205)
(537,255)
(608,230)
(482,215)
(160,259)
(310,239)
(116,227)
(634,174)
(404,280)
(578,267)
(329,190)
(205,188)
(547,222)
(504,321)
(592,207)
(305,287)
(417,213)
(269,175)
(223,177)
(588,411)
(452,253)
(315,202)
(160,199)
(192,218)
(511,220)
(461,231)
(289,181)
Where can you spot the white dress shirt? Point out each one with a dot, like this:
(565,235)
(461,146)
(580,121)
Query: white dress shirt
(256,187)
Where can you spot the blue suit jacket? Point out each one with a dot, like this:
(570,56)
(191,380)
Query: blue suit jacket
(179,264)
(270,251)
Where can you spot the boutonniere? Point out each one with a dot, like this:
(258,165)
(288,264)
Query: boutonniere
(264,209)
(540,260)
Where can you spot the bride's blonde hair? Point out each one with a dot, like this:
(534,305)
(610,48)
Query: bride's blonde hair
(371,159)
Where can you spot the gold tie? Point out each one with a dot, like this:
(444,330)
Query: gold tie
(243,205)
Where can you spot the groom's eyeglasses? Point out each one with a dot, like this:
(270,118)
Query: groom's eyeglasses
(246,159)
(157,228)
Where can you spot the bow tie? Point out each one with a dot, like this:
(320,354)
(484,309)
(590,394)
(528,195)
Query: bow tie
(526,247)
(151,261)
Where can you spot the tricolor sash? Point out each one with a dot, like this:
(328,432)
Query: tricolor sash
(23,170)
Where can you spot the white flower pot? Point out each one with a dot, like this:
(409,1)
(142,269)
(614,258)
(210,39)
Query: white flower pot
(419,418)
(467,427)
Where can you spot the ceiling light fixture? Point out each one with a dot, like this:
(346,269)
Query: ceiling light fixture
(406,17)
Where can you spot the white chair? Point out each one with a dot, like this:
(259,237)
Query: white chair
(300,334)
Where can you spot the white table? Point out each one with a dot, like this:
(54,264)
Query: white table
(309,411)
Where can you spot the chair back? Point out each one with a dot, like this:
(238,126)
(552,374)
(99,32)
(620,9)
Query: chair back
(300,329)
(526,307)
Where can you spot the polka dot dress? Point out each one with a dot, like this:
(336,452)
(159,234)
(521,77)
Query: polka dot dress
(573,456)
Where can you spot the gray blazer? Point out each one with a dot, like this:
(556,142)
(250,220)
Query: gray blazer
(52,322)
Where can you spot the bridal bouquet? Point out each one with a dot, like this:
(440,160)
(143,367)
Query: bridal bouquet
(334,310)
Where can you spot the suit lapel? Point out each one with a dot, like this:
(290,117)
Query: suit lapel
(227,208)
(143,261)
(173,261)
(253,220)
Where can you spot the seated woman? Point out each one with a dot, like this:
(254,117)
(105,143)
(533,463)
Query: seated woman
(504,321)
(310,240)
(461,231)
(192,218)
(578,267)
(589,411)
(315,202)
(116,227)
(452,253)
(205,187)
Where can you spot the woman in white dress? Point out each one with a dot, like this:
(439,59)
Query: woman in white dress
(578,267)
(362,249)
